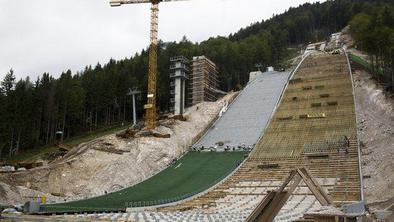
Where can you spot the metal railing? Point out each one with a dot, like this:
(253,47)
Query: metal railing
(349,57)
(179,58)
(384,76)
(179,66)
(181,74)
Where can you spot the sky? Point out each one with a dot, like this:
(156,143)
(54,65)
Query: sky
(53,36)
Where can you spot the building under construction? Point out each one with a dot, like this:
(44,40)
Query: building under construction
(203,80)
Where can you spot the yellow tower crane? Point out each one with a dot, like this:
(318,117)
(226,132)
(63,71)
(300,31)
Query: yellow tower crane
(150,107)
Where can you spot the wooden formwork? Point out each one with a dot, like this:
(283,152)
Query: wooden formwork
(317,107)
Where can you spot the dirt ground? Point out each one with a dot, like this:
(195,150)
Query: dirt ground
(19,194)
(375,113)
(88,170)
(375,123)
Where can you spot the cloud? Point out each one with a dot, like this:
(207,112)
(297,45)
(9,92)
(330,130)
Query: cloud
(52,36)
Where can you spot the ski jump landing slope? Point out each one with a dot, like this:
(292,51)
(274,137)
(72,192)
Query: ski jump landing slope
(242,124)
(247,117)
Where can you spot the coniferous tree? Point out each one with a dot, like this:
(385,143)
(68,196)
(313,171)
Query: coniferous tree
(8,83)
(94,98)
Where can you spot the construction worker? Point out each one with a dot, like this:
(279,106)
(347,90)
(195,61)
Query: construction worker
(347,144)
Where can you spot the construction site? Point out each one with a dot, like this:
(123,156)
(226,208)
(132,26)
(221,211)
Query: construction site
(310,143)
(204,80)
(295,156)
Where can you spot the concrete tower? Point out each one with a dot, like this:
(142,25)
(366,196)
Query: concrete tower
(179,70)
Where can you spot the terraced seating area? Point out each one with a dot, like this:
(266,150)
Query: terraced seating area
(235,206)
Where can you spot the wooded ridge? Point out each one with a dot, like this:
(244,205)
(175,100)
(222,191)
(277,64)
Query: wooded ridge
(32,111)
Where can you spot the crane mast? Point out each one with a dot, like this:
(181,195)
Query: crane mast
(150,107)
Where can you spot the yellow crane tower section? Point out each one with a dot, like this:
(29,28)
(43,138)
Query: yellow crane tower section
(150,107)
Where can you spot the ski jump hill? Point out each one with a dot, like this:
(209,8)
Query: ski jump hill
(304,118)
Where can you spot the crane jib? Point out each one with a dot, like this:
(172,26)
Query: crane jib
(115,3)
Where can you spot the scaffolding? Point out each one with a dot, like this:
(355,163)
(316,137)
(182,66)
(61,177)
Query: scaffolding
(203,80)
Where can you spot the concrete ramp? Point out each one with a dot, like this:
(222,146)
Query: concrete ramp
(247,117)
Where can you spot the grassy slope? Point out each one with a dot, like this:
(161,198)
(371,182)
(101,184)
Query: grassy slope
(363,63)
(38,153)
(193,173)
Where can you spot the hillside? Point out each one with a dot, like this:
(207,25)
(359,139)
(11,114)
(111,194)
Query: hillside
(334,118)
(90,170)
(75,103)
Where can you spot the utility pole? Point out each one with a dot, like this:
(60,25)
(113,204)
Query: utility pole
(133,93)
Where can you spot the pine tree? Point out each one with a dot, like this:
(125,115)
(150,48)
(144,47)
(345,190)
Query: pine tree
(7,85)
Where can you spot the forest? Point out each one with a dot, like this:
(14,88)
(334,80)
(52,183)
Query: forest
(32,111)
(373,32)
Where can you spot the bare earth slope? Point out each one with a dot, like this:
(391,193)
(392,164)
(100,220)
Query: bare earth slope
(89,172)
(375,114)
